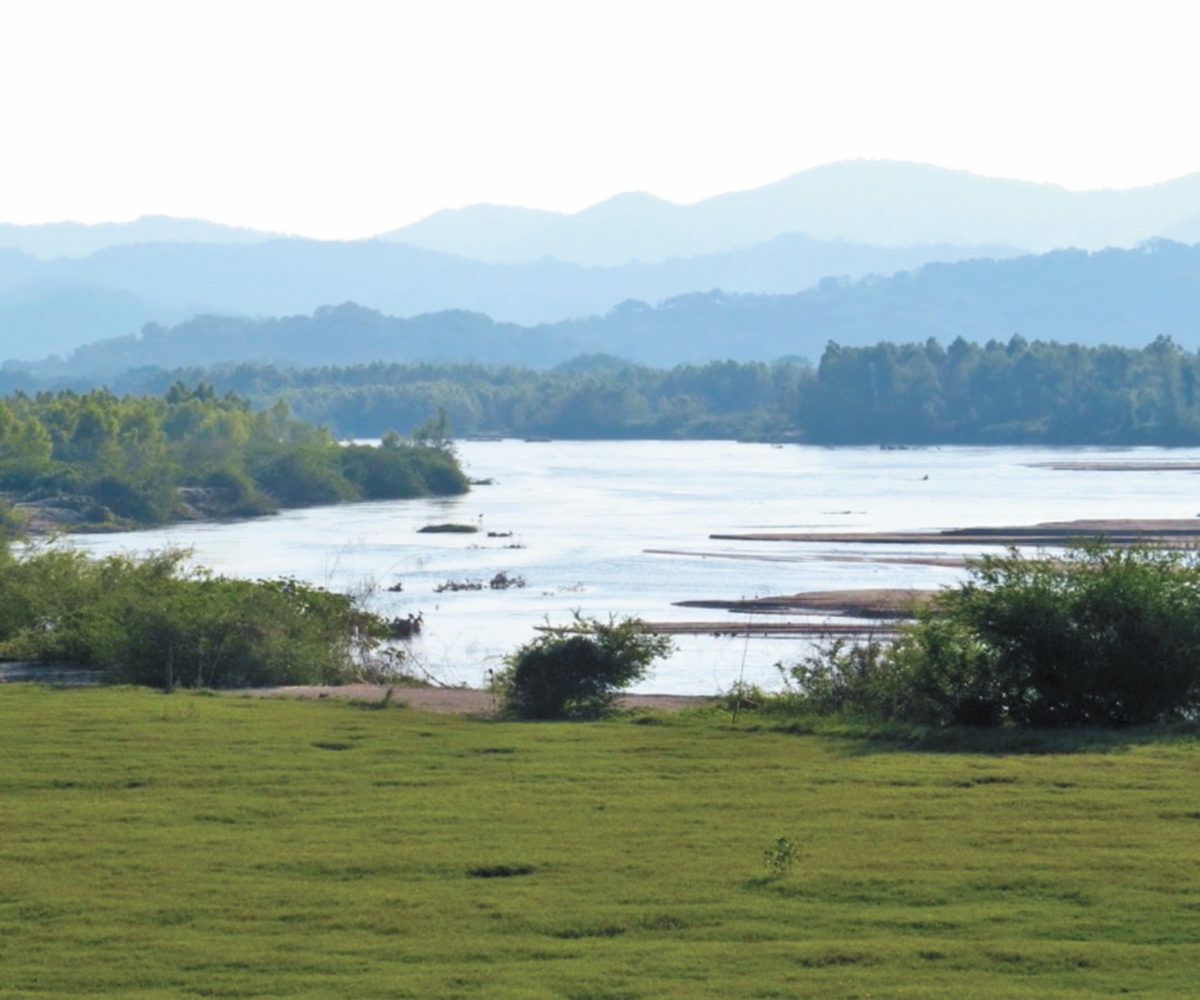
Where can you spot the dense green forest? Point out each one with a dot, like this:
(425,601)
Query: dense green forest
(96,459)
(1014,392)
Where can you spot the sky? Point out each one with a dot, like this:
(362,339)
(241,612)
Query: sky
(340,120)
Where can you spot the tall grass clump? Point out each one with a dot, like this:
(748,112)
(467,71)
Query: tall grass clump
(1099,636)
(153,621)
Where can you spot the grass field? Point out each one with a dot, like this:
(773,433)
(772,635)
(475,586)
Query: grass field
(192,845)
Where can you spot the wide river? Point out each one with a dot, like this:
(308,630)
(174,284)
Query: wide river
(622,528)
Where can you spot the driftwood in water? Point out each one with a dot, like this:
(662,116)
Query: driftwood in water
(406,628)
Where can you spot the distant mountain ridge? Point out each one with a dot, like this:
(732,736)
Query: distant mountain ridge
(1122,297)
(876,202)
(55,306)
(49,240)
(882,203)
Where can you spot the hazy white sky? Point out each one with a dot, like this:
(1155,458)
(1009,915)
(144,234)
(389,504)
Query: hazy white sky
(342,119)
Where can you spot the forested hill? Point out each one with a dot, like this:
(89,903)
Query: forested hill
(1121,297)
(998,392)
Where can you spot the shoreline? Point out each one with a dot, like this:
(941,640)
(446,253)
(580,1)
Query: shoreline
(1051,533)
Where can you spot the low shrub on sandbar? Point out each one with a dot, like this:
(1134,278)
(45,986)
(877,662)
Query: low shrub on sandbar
(156,622)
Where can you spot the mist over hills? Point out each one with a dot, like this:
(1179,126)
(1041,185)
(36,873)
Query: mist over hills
(1123,297)
(58,305)
(878,202)
(635,275)
(882,203)
(76,239)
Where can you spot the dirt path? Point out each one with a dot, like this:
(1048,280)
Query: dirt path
(457,701)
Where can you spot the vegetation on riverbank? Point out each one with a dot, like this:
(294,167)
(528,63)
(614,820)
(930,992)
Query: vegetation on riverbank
(152,621)
(230,846)
(1096,636)
(98,460)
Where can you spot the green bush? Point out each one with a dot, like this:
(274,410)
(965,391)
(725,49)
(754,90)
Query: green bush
(303,475)
(1100,636)
(149,501)
(237,492)
(1097,637)
(153,622)
(576,673)
(843,677)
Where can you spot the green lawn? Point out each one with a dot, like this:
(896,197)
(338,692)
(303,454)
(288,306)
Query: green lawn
(191,845)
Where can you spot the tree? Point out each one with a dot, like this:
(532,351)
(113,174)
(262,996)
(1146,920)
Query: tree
(576,673)
(1099,636)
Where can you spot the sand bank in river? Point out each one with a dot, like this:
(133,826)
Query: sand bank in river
(954,562)
(875,603)
(1052,533)
(1102,466)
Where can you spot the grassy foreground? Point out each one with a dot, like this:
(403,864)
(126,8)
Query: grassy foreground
(155,845)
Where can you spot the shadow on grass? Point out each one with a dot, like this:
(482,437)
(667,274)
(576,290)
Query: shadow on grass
(862,736)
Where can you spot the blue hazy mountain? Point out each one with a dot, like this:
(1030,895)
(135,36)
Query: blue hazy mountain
(53,306)
(876,202)
(76,239)
(1124,297)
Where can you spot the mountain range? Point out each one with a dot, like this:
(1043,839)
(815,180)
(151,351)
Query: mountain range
(883,203)
(65,285)
(57,305)
(878,202)
(1121,297)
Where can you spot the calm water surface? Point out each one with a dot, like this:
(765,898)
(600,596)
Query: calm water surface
(585,516)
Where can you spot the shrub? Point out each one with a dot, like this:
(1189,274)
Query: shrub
(844,677)
(383,473)
(150,621)
(303,475)
(1101,636)
(779,856)
(150,500)
(237,493)
(576,673)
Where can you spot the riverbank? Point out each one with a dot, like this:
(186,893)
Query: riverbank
(1116,531)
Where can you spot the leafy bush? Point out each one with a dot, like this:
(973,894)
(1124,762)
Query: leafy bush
(845,677)
(303,475)
(153,622)
(149,501)
(1097,637)
(1102,636)
(576,673)
(780,856)
(237,493)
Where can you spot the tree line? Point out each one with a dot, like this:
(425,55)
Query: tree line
(917,393)
(147,459)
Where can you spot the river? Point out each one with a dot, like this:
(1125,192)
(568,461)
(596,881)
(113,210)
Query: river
(622,528)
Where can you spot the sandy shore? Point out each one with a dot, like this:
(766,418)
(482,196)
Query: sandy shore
(875,603)
(1102,466)
(1052,533)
